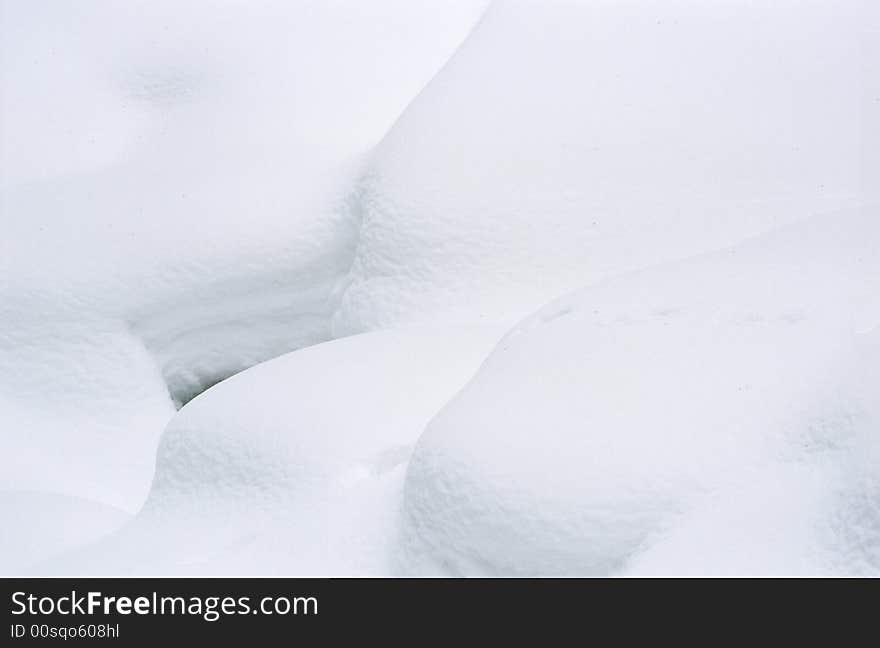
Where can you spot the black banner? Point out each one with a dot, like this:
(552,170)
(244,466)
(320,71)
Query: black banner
(130,611)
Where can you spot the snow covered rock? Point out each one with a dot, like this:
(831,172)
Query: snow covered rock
(570,141)
(628,425)
(294,466)
(173,205)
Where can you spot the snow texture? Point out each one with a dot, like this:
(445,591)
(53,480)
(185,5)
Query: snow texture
(200,200)
(39,526)
(600,433)
(567,142)
(173,200)
(306,453)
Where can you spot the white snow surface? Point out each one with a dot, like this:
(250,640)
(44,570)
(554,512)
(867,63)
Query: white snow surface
(293,467)
(688,191)
(38,526)
(567,142)
(718,415)
(173,205)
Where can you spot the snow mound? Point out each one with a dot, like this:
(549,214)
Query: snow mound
(659,422)
(173,205)
(567,142)
(38,526)
(306,454)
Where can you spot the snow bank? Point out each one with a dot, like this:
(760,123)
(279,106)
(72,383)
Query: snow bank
(294,466)
(796,518)
(715,415)
(37,526)
(173,207)
(189,190)
(567,142)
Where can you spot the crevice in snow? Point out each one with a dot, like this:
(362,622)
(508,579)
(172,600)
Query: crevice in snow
(198,345)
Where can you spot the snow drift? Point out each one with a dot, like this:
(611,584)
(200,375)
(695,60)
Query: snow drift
(190,190)
(293,467)
(598,434)
(567,142)
(173,203)
(39,526)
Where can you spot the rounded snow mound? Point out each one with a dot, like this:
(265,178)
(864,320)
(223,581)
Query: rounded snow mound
(625,426)
(183,216)
(306,454)
(570,141)
(42,525)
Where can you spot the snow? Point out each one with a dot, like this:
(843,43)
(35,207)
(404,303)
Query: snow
(568,142)
(174,211)
(597,435)
(38,526)
(306,453)
(334,287)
